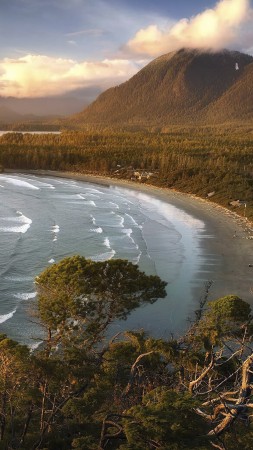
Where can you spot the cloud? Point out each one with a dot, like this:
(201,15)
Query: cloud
(41,75)
(89,32)
(212,29)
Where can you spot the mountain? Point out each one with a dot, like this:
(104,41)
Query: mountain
(8,115)
(186,87)
(41,109)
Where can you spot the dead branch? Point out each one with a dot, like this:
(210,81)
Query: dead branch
(193,384)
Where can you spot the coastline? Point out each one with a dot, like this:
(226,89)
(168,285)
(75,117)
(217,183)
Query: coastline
(229,233)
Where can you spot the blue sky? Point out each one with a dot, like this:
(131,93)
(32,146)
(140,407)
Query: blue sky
(50,46)
(48,27)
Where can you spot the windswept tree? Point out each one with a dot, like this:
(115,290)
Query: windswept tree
(79,298)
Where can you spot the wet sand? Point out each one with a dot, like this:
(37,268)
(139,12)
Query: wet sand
(229,233)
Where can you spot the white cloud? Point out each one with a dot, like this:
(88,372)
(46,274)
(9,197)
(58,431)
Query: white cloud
(40,75)
(212,29)
(89,32)
(31,75)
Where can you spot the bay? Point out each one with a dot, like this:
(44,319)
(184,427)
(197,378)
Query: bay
(44,219)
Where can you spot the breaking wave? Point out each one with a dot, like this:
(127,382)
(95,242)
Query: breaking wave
(25,295)
(23,224)
(107,242)
(8,316)
(97,230)
(104,256)
(19,183)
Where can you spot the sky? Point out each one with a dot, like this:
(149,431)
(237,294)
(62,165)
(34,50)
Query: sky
(55,47)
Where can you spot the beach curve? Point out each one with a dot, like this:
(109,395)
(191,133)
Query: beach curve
(232,235)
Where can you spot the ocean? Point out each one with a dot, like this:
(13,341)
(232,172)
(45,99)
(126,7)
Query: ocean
(44,219)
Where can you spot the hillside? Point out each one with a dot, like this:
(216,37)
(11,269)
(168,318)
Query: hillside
(180,88)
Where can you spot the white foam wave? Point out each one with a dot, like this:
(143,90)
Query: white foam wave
(122,220)
(1,186)
(55,239)
(25,295)
(13,278)
(137,259)
(23,229)
(55,229)
(114,204)
(89,194)
(93,220)
(46,185)
(128,232)
(21,219)
(132,219)
(8,316)
(19,183)
(107,242)
(97,230)
(104,256)
(94,190)
(80,196)
(51,261)
(91,202)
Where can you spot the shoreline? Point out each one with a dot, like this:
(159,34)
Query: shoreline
(230,235)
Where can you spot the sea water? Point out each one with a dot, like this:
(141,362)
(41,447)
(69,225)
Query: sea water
(44,219)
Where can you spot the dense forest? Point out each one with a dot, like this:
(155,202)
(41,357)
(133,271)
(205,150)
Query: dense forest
(202,162)
(81,390)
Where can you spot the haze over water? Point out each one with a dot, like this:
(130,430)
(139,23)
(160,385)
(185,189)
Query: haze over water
(43,220)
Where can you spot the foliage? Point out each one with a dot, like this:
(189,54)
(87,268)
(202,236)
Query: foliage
(79,294)
(82,391)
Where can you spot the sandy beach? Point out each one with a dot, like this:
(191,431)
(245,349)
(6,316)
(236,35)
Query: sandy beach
(230,234)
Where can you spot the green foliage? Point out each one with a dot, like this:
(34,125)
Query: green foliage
(225,317)
(230,309)
(167,417)
(134,392)
(78,293)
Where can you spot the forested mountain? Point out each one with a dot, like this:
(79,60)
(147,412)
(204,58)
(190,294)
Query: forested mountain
(183,87)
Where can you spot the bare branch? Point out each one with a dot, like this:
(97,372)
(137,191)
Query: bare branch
(193,384)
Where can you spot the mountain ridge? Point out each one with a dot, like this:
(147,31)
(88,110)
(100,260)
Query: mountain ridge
(185,87)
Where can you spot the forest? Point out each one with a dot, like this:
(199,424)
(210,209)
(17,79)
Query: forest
(84,390)
(202,161)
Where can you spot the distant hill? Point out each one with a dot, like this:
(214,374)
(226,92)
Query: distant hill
(15,112)
(8,115)
(186,87)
